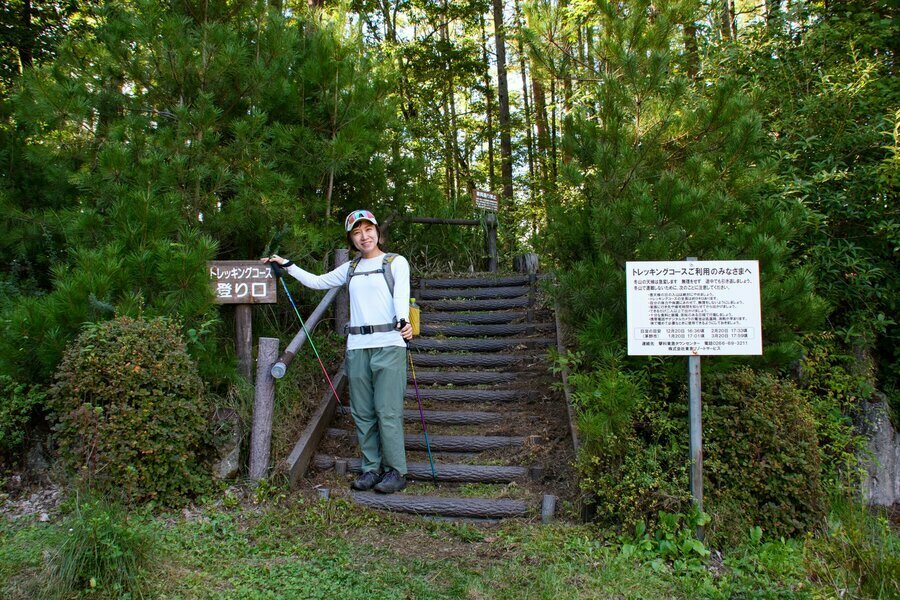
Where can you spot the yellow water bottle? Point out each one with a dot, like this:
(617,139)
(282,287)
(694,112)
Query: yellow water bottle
(414,315)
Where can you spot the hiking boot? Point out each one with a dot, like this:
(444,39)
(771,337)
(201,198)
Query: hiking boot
(366,481)
(391,482)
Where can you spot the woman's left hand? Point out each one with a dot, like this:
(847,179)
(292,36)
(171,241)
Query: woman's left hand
(406,332)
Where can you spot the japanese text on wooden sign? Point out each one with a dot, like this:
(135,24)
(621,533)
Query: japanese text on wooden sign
(703,308)
(242,282)
(486,200)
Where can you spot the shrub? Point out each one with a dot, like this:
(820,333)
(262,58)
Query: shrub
(17,403)
(858,554)
(132,419)
(835,393)
(761,458)
(634,443)
(102,551)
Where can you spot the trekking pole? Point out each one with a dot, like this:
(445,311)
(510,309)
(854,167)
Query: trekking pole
(279,273)
(421,410)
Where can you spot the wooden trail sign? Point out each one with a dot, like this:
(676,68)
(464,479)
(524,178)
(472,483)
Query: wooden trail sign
(243,283)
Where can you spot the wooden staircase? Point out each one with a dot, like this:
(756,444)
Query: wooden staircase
(498,430)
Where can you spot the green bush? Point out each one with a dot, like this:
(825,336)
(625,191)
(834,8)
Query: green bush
(17,403)
(761,457)
(858,554)
(132,418)
(634,444)
(101,552)
(835,393)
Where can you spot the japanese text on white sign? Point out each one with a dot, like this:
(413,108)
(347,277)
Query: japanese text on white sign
(703,308)
(242,282)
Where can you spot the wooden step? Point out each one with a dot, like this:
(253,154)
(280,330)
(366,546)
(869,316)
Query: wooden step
(467,377)
(485,292)
(447,443)
(467,395)
(447,507)
(472,305)
(474,359)
(467,345)
(432,316)
(503,329)
(444,471)
(446,417)
(474,282)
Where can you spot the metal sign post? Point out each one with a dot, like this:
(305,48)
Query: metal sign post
(694,308)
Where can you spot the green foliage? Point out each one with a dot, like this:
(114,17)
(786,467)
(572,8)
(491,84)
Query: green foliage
(830,96)
(632,461)
(673,542)
(762,461)
(17,403)
(664,168)
(210,130)
(834,392)
(858,552)
(103,551)
(131,413)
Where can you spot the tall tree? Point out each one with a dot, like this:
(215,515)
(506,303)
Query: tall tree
(506,167)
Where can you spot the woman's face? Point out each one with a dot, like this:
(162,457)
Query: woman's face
(365,237)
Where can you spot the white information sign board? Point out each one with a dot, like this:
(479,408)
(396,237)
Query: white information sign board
(699,308)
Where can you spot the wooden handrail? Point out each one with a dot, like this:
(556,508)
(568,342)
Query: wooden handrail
(280,367)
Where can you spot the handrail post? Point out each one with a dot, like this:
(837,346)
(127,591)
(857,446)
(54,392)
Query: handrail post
(490,241)
(342,302)
(263,408)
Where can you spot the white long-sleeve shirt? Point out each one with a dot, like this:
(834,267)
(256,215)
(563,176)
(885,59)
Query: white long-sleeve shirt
(370,300)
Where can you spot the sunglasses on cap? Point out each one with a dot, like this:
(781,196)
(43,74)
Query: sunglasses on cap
(356,216)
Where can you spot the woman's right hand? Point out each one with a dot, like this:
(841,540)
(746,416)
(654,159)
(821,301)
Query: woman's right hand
(274,258)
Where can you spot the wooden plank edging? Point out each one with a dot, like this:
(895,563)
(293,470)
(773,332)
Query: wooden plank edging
(297,462)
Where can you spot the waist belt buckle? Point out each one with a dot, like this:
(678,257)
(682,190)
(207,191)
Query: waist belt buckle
(367,329)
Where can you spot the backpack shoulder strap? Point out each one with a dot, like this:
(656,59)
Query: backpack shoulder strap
(386,266)
(353,264)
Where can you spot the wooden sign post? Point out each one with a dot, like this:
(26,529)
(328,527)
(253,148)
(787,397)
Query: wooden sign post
(489,202)
(243,283)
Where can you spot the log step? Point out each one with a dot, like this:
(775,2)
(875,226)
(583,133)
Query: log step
(486,330)
(467,395)
(471,305)
(465,345)
(447,507)
(473,317)
(486,292)
(444,471)
(447,443)
(473,359)
(467,377)
(475,282)
(446,417)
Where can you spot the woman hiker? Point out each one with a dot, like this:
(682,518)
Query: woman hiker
(376,348)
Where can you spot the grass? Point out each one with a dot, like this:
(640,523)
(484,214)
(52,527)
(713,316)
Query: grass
(304,548)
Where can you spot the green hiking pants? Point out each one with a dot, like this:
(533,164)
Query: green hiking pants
(377,378)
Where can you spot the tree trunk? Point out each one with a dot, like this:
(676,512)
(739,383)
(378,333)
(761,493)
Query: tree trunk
(489,107)
(691,52)
(727,17)
(503,99)
(26,41)
(529,137)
